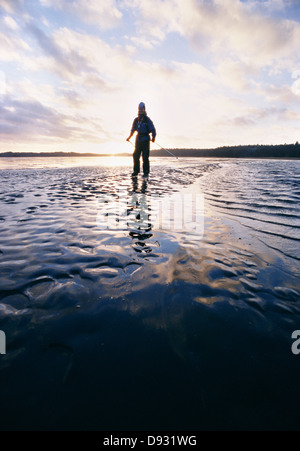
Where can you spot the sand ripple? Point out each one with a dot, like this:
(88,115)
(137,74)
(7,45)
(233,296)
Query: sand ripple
(102,319)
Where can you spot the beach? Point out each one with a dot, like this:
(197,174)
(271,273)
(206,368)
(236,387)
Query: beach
(120,315)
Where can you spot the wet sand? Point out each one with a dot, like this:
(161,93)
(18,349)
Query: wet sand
(144,327)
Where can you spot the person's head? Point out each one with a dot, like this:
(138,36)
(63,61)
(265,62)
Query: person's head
(142,109)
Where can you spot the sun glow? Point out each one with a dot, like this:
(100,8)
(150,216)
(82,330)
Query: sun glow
(108,148)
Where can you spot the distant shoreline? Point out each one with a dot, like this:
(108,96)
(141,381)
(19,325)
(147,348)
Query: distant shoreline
(51,154)
(282,151)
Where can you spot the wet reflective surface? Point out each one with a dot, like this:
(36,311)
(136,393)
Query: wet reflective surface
(140,325)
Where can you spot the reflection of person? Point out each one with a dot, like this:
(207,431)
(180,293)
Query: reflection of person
(139,217)
(143,125)
(135,187)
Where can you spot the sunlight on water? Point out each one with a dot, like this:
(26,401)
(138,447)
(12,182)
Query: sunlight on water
(63,162)
(99,319)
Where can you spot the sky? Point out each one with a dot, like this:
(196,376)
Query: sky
(211,73)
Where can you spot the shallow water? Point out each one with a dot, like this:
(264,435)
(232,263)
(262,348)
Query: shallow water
(141,325)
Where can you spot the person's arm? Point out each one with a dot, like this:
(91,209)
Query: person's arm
(153,134)
(152,129)
(133,129)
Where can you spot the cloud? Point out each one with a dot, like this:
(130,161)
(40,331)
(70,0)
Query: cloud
(12,47)
(69,61)
(11,6)
(10,23)
(285,94)
(76,58)
(91,62)
(235,74)
(27,119)
(105,14)
(254,116)
(31,121)
(12,44)
(222,28)
(155,18)
(143,42)
(72,55)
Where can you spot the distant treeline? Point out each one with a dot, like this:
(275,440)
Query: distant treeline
(50,154)
(249,151)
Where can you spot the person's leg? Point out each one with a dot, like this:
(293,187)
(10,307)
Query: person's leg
(146,163)
(136,158)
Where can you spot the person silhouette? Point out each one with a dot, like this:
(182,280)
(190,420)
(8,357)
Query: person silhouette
(143,125)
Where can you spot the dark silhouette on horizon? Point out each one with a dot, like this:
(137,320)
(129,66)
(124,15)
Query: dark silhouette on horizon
(241,151)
